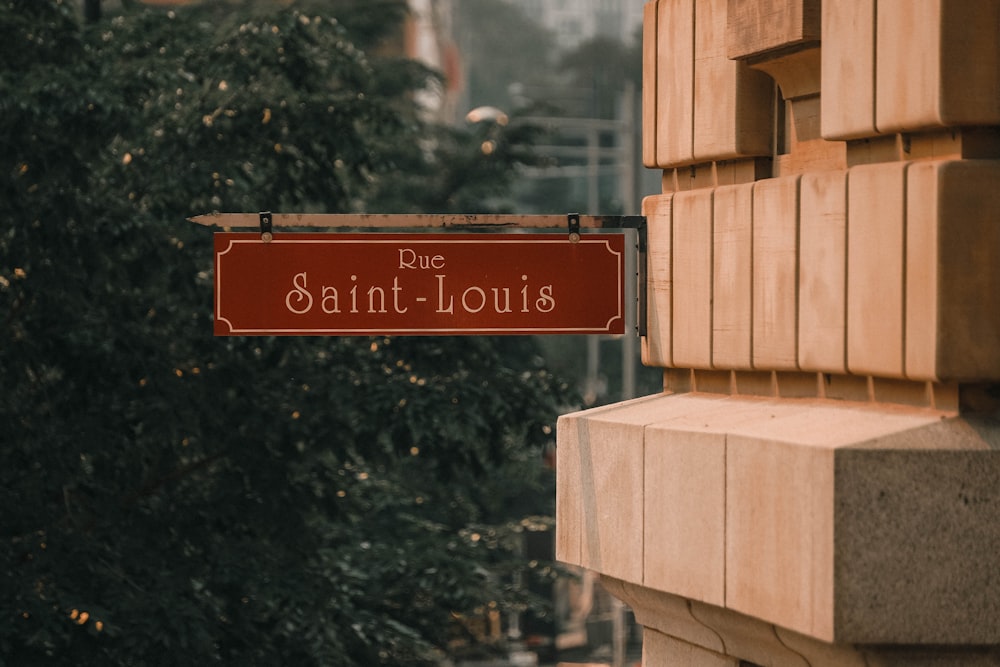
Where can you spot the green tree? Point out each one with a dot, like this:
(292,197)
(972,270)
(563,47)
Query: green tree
(169,496)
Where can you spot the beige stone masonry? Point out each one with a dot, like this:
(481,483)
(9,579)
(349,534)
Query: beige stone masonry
(831,519)
(596,518)
(691,70)
(906,65)
(692,270)
(672,651)
(817,485)
(685,552)
(779,531)
(657,347)
(753,640)
(732,117)
(775,273)
(971,143)
(822,654)
(876,232)
(782,38)
(672,67)
(883,270)
(774,384)
(759,27)
(848,69)
(823,271)
(712,174)
(732,272)
(924,51)
(674,636)
(665,613)
(650,84)
(953,276)
(802,148)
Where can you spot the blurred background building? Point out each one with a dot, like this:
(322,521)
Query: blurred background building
(573,22)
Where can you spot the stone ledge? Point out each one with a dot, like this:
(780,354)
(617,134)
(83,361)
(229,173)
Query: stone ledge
(673,635)
(838,521)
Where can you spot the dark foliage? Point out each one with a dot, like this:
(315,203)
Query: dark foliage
(170,497)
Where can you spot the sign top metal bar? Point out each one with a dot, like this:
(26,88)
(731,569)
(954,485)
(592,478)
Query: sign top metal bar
(443,221)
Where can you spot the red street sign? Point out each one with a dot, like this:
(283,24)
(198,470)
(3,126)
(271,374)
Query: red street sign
(418,284)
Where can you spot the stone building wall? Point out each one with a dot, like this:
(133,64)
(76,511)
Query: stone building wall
(819,482)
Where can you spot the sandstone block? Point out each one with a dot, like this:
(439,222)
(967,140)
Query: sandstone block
(706,107)
(649,83)
(848,69)
(923,64)
(775,273)
(733,104)
(952,274)
(600,453)
(692,278)
(823,271)
(661,649)
(732,277)
(674,75)
(755,27)
(876,223)
(916,551)
(657,344)
(684,525)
